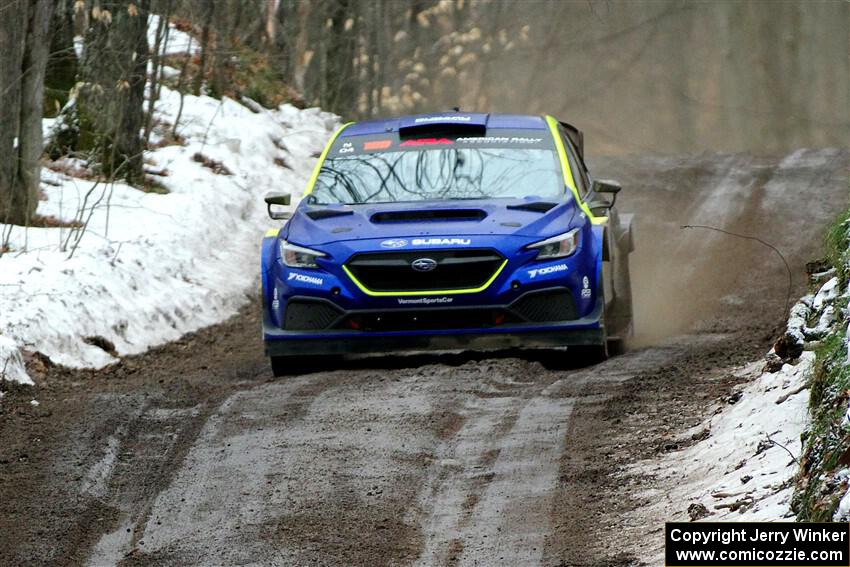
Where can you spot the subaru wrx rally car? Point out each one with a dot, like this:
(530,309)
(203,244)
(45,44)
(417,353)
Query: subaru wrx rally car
(447,231)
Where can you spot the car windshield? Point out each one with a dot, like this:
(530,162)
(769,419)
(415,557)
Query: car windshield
(456,173)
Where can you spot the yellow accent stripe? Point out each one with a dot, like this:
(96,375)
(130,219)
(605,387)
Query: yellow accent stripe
(367,291)
(318,167)
(272,233)
(567,172)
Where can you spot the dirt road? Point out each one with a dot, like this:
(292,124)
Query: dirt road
(194,454)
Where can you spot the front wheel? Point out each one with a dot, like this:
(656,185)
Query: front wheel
(294,365)
(590,354)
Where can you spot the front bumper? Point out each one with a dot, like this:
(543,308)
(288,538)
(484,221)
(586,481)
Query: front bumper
(587,330)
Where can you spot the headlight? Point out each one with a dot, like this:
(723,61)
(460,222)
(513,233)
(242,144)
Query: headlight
(296,256)
(558,246)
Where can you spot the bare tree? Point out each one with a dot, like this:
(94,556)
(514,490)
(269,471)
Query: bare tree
(111,93)
(61,73)
(23,35)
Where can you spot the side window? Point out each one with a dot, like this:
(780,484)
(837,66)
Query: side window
(579,174)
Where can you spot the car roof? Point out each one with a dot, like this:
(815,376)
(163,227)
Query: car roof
(487,120)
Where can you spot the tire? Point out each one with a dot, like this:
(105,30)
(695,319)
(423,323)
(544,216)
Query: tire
(294,365)
(280,365)
(616,346)
(590,354)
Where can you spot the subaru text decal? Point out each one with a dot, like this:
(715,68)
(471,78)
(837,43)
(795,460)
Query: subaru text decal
(441,241)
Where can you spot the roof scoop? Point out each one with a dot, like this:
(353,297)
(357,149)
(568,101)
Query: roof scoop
(448,123)
(433,215)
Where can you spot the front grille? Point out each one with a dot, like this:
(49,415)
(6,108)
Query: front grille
(455,269)
(545,306)
(427,319)
(309,315)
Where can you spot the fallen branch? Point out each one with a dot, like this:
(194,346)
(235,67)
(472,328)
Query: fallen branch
(793,392)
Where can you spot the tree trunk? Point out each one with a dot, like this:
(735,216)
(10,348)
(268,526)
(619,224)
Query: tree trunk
(270,24)
(161,34)
(30,141)
(61,74)
(23,35)
(340,87)
(205,41)
(12,27)
(111,96)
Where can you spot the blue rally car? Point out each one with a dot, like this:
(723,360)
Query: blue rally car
(444,231)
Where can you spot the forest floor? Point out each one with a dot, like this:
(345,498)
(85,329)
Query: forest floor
(192,453)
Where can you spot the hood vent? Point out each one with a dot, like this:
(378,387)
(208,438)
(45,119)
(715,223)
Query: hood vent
(319,214)
(435,215)
(534,207)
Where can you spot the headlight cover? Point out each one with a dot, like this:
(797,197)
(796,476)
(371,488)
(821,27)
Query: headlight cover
(559,246)
(296,256)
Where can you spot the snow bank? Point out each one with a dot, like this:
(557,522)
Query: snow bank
(152,267)
(744,469)
(177,41)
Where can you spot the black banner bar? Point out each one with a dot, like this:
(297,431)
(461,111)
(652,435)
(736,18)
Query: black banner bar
(756,544)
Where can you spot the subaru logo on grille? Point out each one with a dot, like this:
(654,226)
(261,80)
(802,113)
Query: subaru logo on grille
(423,264)
(394,243)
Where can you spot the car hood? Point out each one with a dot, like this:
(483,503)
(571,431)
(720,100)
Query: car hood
(313,225)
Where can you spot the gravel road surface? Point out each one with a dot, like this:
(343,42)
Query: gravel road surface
(193,454)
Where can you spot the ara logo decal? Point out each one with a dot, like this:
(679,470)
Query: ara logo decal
(547,270)
(394,243)
(423,264)
(425,300)
(585,287)
(275,301)
(441,242)
(427,142)
(305,279)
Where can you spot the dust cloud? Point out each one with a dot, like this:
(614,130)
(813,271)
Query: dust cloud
(702,280)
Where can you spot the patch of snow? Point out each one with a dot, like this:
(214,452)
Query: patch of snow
(47,125)
(847,341)
(179,42)
(151,267)
(12,362)
(828,273)
(827,317)
(797,319)
(842,513)
(827,293)
(743,470)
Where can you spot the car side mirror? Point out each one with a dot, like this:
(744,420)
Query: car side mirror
(606,186)
(280,200)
